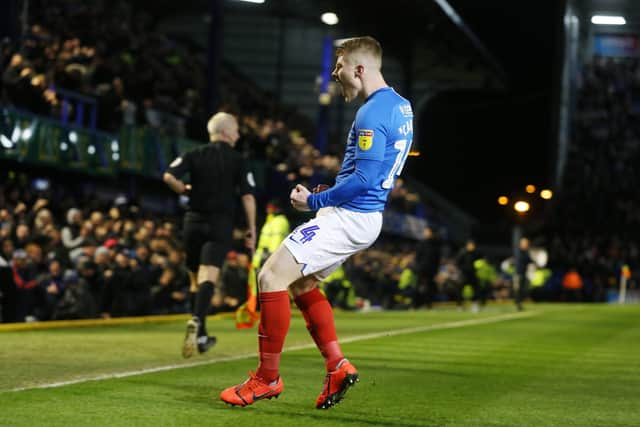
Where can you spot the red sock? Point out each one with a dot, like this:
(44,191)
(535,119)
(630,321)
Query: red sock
(319,316)
(275,317)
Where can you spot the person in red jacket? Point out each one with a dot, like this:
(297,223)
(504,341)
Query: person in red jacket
(24,278)
(572,286)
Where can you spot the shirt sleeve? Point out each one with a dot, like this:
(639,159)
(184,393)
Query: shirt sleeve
(180,165)
(349,188)
(371,136)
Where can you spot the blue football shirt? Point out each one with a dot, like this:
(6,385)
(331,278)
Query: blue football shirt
(383,131)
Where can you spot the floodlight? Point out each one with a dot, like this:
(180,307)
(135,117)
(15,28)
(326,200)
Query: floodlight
(521,206)
(608,20)
(329,18)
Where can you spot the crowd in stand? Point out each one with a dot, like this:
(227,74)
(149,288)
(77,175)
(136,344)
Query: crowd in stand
(108,51)
(596,219)
(77,258)
(112,53)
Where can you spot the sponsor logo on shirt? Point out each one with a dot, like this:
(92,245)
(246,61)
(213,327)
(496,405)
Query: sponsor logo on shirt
(365,139)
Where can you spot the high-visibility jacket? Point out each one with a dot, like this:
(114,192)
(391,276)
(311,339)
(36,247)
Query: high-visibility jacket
(540,277)
(338,275)
(407,278)
(273,232)
(485,272)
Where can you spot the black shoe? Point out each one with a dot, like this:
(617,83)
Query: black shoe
(205,343)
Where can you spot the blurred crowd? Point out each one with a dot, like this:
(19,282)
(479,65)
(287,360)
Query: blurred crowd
(70,259)
(67,257)
(596,220)
(75,55)
(109,52)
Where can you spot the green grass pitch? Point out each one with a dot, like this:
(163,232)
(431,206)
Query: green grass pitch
(554,365)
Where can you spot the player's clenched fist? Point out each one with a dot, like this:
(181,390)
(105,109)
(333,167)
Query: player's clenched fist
(299,196)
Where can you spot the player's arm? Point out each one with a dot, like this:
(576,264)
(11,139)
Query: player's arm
(172,175)
(363,178)
(369,156)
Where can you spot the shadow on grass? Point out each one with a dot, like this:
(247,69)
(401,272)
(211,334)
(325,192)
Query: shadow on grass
(337,417)
(313,416)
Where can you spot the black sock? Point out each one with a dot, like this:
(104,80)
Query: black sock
(203,302)
(192,302)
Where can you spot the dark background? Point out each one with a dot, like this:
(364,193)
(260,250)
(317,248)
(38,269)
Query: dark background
(479,144)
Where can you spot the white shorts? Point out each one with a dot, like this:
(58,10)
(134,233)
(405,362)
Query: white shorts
(326,241)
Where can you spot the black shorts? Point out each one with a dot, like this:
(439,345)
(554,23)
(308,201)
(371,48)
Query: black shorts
(207,239)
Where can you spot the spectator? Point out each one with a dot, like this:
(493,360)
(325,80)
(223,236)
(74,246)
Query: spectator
(90,273)
(72,238)
(116,300)
(27,292)
(52,287)
(143,275)
(76,302)
(466,263)
(572,285)
(521,265)
(233,290)
(427,262)
(273,231)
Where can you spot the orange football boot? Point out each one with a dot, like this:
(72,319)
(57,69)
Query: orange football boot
(336,384)
(253,389)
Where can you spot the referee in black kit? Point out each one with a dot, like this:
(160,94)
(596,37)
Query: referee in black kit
(217,176)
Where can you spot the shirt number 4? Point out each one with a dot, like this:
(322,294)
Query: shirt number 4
(402,145)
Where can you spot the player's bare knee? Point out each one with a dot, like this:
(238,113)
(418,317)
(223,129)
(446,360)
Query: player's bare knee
(272,279)
(265,279)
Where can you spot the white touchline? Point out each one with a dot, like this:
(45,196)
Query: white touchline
(447,325)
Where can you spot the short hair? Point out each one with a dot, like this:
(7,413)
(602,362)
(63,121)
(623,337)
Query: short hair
(366,44)
(218,122)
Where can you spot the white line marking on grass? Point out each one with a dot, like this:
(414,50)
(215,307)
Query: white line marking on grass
(404,331)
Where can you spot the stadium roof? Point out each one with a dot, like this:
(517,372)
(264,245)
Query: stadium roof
(430,33)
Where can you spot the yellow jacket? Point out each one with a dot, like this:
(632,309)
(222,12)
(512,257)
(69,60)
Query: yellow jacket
(273,232)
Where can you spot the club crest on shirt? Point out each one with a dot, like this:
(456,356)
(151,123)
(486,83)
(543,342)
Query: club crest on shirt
(365,139)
